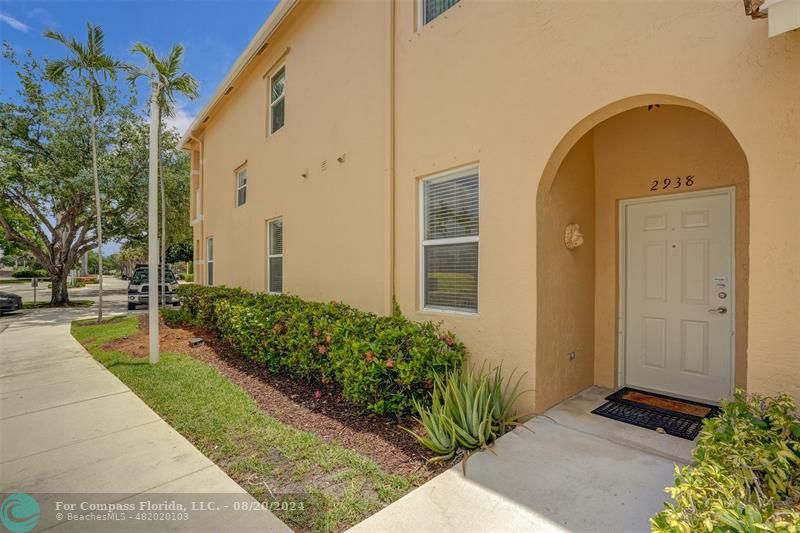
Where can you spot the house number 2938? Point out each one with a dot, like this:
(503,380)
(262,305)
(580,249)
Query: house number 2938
(672,183)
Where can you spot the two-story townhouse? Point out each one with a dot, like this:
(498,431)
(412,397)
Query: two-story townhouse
(590,192)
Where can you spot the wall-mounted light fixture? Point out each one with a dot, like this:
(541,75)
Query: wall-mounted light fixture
(573,237)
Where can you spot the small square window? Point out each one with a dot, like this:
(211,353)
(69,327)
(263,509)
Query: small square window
(277,100)
(241,187)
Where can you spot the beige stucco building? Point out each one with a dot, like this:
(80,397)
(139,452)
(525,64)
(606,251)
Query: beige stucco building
(454,158)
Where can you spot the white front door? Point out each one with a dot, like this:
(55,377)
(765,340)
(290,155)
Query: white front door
(678,294)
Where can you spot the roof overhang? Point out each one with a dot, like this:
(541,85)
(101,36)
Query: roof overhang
(783,15)
(253,50)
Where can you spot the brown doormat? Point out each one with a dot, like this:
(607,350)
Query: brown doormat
(674,416)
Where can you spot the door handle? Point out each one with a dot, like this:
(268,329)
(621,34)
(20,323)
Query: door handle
(721,310)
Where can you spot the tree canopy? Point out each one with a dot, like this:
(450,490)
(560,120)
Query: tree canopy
(46,183)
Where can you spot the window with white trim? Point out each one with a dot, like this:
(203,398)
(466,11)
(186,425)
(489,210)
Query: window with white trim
(277,100)
(275,256)
(210,260)
(241,186)
(449,241)
(430,9)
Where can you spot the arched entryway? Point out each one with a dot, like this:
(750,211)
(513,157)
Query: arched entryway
(679,163)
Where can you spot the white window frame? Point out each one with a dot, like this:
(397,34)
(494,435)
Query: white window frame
(459,172)
(237,173)
(272,256)
(209,260)
(280,69)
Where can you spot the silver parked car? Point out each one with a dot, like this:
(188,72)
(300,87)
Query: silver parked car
(138,288)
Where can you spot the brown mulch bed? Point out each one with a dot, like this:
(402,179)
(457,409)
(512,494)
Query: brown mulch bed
(294,402)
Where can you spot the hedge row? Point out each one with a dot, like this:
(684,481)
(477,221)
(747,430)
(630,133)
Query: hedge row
(30,274)
(746,472)
(381,363)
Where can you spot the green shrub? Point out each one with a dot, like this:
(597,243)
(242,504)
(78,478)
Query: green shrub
(187,277)
(382,363)
(30,274)
(746,472)
(468,411)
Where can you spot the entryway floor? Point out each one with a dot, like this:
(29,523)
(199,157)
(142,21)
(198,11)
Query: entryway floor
(577,472)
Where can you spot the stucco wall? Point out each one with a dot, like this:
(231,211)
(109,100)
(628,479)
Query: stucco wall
(513,86)
(335,222)
(633,149)
(566,280)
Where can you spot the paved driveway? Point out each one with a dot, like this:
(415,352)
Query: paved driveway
(578,472)
(70,430)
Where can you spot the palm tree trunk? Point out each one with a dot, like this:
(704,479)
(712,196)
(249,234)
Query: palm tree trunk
(99,221)
(163,220)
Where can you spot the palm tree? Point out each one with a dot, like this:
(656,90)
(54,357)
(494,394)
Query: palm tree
(171,83)
(91,63)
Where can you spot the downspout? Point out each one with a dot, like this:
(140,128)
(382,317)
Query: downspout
(390,175)
(199,210)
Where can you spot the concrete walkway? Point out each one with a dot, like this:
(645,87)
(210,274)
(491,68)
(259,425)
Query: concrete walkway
(67,425)
(577,472)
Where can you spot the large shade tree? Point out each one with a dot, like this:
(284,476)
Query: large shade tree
(47,183)
(171,83)
(94,67)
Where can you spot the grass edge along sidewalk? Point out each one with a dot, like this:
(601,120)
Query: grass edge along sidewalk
(272,461)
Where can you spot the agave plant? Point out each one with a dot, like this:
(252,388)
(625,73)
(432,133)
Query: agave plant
(469,410)
(503,398)
(439,435)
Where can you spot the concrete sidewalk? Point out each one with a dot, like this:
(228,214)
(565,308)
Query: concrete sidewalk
(573,472)
(67,425)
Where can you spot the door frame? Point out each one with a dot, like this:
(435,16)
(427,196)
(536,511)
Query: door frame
(622,249)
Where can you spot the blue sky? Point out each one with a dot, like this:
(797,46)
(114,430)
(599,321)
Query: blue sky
(214,33)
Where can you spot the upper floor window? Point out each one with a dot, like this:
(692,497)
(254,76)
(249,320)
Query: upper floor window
(275,255)
(241,186)
(450,220)
(430,9)
(277,100)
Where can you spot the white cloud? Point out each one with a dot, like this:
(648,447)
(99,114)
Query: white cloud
(44,17)
(14,23)
(180,121)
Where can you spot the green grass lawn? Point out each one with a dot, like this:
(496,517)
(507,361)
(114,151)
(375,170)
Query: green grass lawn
(337,486)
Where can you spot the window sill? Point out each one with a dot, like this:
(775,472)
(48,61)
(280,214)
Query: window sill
(454,312)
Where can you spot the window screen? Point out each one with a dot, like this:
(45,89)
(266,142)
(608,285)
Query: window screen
(433,8)
(241,187)
(210,260)
(450,242)
(277,100)
(275,256)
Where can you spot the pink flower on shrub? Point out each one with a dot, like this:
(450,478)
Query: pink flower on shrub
(328,339)
(318,395)
(370,357)
(390,362)
(448,340)
(323,350)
